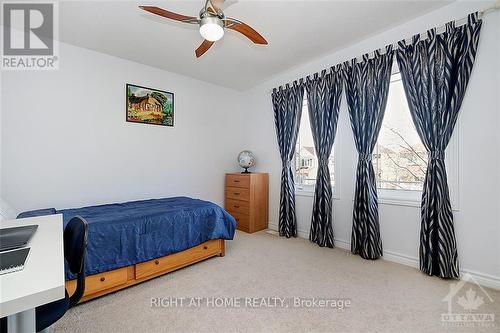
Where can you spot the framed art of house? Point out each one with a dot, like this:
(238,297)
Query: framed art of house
(149,106)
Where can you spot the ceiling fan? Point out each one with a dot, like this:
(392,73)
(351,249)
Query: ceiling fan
(212,22)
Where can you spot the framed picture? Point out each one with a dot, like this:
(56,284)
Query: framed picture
(149,106)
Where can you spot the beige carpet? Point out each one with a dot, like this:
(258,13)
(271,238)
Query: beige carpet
(385,297)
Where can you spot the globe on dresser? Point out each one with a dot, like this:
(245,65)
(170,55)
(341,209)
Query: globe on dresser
(246,160)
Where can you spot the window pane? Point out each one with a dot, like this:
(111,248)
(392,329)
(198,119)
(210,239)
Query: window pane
(306,161)
(400,159)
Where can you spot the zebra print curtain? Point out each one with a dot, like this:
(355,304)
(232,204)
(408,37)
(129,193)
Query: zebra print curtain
(324,94)
(287,105)
(435,73)
(367,86)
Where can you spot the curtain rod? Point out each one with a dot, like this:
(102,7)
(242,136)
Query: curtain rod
(439,29)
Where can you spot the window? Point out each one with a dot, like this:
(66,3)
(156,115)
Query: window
(400,158)
(306,161)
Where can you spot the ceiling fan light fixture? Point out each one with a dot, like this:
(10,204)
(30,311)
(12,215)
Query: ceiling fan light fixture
(211,28)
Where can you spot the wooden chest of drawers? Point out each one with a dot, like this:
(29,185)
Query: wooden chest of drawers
(246,199)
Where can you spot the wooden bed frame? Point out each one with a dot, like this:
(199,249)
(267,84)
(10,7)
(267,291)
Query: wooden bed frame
(107,282)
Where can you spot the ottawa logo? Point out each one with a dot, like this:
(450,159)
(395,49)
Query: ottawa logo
(465,299)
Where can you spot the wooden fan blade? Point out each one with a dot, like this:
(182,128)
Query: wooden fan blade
(223,4)
(169,15)
(217,3)
(203,48)
(211,10)
(246,30)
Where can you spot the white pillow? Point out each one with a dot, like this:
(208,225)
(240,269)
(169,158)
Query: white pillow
(6,212)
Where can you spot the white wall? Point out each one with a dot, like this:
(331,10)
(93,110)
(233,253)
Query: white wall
(478,219)
(65,142)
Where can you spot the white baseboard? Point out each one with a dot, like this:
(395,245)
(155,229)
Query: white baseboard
(485,280)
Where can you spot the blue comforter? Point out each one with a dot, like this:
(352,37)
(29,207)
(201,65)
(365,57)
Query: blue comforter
(124,234)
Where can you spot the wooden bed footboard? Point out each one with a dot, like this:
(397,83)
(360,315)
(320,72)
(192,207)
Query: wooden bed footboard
(107,282)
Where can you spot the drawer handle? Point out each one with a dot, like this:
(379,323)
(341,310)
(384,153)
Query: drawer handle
(103,278)
(157,262)
(236,206)
(236,181)
(205,247)
(236,193)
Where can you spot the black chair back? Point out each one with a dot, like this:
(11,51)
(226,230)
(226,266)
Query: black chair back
(75,248)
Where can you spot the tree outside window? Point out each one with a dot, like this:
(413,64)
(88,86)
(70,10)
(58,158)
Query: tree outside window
(400,158)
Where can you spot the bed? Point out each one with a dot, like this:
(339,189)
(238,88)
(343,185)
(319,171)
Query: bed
(135,241)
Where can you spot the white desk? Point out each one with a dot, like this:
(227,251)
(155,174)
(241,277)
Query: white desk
(42,279)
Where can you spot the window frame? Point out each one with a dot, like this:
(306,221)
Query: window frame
(302,190)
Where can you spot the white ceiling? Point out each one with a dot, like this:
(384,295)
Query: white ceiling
(297,32)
